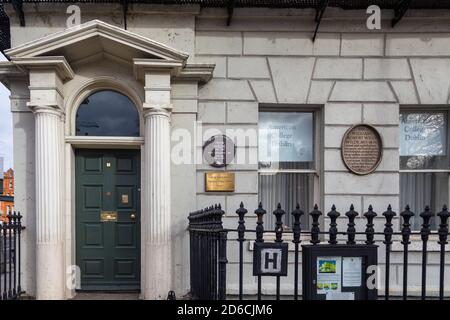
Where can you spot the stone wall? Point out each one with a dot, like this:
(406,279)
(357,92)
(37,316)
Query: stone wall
(266,57)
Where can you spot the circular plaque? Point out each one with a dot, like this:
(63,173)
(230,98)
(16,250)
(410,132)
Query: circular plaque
(219,151)
(362,149)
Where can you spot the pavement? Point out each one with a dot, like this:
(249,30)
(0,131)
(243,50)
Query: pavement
(106,296)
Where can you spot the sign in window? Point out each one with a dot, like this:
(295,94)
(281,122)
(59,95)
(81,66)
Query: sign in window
(285,137)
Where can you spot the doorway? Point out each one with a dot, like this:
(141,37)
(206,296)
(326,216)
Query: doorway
(108,219)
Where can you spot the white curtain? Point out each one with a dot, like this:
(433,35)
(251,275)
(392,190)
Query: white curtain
(420,189)
(287,189)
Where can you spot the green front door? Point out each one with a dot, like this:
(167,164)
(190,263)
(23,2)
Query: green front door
(108,219)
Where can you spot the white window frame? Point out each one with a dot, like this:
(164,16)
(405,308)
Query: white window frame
(318,152)
(424,109)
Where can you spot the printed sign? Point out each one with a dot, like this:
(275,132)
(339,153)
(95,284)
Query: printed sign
(351,271)
(285,137)
(270,259)
(328,274)
(422,134)
(330,295)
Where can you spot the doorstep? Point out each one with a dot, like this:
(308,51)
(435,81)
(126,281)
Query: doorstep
(106,296)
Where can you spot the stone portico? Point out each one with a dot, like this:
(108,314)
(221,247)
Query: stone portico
(50,77)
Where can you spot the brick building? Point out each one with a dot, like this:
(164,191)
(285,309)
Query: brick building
(7,196)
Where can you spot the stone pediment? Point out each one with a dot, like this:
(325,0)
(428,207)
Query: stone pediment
(95,37)
(95,40)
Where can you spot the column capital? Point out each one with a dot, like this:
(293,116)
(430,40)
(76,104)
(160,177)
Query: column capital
(152,109)
(42,108)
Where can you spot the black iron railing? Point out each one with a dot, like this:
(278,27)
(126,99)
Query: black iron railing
(208,241)
(208,245)
(10,271)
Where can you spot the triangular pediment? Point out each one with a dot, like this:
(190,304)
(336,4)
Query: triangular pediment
(93,37)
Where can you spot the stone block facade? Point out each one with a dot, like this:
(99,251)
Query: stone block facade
(266,58)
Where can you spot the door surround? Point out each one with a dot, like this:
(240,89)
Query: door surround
(73,143)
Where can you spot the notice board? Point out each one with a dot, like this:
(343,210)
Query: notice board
(339,272)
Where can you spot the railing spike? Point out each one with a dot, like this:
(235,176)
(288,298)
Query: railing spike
(424,233)
(443,235)
(370,232)
(315,230)
(351,231)
(333,215)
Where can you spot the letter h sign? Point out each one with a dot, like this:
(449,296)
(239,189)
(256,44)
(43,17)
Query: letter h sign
(270,259)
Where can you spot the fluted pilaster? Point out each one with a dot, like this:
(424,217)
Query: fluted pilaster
(157,227)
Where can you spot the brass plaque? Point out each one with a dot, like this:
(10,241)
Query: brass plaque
(124,198)
(219,181)
(106,216)
(362,149)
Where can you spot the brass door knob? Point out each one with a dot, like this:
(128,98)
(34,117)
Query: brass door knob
(133,216)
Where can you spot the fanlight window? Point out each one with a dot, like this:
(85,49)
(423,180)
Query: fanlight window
(107,113)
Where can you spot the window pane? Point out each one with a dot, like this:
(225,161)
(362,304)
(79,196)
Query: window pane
(107,113)
(423,142)
(287,189)
(286,140)
(420,189)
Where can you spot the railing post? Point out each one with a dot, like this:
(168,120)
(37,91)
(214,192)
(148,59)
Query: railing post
(297,213)
(215,249)
(370,232)
(211,258)
(315,230)
(14,224)
(19,269)
(5,252)
(279,213)
(333,215)
(388,231)
(443,234)
(222,264)
(425,232)
(260,212)
(406,232)
(351,231)
(10,237)
(241,238)
(191,253)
